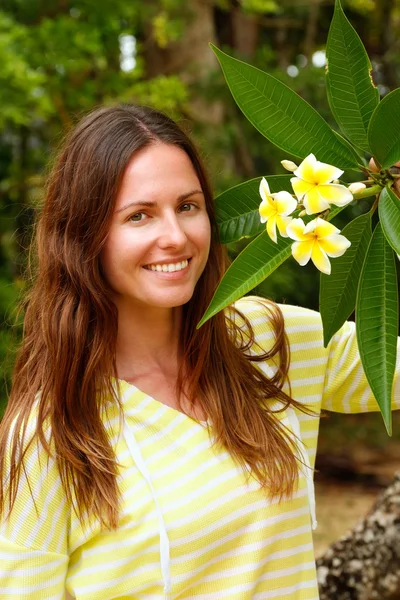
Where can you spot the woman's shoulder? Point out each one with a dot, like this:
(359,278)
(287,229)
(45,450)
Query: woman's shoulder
(302,326)
(261,312)
(40,512)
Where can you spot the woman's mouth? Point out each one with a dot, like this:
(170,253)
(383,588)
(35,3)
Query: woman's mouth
(171,267)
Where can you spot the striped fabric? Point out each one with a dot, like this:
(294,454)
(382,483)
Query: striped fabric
(192,525)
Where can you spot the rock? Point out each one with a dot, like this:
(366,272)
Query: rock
(365,563)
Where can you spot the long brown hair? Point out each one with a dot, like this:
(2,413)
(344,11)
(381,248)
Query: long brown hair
(64,369)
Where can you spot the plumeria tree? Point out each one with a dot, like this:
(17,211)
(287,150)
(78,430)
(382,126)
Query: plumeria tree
(291,214)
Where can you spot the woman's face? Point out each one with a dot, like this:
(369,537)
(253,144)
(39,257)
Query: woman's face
(159,238)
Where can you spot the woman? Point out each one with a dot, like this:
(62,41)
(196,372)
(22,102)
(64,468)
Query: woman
(141,457)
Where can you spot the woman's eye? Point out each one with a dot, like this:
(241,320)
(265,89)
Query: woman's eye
(137,217)
(188,206)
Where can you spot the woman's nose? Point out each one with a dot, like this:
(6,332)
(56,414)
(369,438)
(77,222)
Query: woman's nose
(172,234)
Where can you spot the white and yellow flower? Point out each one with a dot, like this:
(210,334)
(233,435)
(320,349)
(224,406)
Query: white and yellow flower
(314,188)
(274,210)
(357,186)
(289,165)
(316,240)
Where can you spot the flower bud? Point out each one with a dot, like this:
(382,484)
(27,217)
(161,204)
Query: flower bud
(302,213)
(288,165)
(356,187)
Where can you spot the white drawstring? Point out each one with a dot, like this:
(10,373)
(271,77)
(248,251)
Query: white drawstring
(305,466)
(164,540)
(137,457)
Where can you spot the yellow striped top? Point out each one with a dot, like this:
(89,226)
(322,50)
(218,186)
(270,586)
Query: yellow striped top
(192,525)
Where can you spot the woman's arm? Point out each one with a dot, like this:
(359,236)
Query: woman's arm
(346,388)
(30,574)
(34,535)
(331,378)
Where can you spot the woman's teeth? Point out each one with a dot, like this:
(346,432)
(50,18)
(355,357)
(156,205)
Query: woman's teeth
(169,268)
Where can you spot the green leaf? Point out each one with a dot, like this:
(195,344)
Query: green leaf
(237,208)
(383,130)
(258,260)
(377,319)
(360,153)
(389,215)
(351,91)
(254,264)
(338,291)
(283,116)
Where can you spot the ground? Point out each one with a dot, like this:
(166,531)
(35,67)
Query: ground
(356,461)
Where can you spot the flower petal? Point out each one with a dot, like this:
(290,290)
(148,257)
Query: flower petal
(309,228)
(334,245)
(313,201)
(282,223)
(335,194)
(289,165)
(295,230)
(323,228)
(325,173)
(320,259)
(271,228)
(266,210)
(306,170)
(302,251)
(300,187)
(357,186)
(264,189)
(284,202)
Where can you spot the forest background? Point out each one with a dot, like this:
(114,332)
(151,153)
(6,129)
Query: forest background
(60,58)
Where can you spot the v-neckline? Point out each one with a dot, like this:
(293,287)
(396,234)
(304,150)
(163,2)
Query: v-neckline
(127,385)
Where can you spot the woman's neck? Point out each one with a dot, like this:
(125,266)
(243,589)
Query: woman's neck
(147,341)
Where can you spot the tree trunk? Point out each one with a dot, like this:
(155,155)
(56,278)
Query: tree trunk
(245,32)
(384,42)
(312,28)
(190,57)
(193,61)
(365,564)
(25,214)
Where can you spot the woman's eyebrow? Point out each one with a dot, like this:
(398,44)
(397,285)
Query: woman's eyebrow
(150,204)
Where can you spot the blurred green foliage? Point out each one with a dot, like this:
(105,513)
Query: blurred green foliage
(60,58)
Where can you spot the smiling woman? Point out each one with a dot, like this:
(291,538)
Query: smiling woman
(156,248)
(141,457)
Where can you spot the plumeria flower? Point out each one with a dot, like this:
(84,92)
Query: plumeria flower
(357,186)
(316,240)
(289,165)
(313,186)
(274,210)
